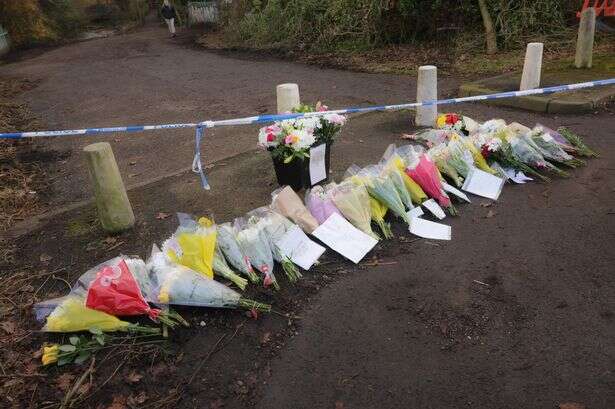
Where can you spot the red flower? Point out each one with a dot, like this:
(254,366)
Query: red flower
(270,137)
(451,119)
(484,150)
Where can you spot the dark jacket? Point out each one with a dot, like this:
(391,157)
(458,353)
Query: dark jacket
(168,12)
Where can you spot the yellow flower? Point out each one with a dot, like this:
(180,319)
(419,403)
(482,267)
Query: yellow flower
(441,122)
(295,139)
(50,354)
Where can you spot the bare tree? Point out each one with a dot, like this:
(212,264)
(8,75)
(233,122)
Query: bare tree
(492,45)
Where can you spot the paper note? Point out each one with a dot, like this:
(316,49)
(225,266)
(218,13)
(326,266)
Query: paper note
(337,233)
(517,177)
(452,189)
(434,208)
(483,184)
(430,230)
(416,212)
(317,164)
(299,248)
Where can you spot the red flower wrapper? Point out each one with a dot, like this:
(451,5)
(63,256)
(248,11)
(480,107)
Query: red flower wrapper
(116,292)
(426,175)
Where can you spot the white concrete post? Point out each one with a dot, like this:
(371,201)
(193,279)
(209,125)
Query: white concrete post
(532,67)
(426,90)
(114,210)
(585,39)
(288,97)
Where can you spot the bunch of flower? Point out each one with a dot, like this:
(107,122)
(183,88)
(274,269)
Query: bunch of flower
(453,122)
(500,151)
(324,127)
(287,140)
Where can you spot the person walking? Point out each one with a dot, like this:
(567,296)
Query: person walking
(168,12)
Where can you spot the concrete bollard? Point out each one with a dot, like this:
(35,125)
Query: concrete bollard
(532,67)
(114,210)
(288,97)
(426,90)
(585,39)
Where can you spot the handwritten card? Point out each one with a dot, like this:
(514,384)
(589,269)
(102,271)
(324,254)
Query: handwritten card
(434,208)
(297,246)
(341,236)
(483,184)
(429,230)
(318,171)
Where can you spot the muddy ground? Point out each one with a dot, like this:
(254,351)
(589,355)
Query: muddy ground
(516,311)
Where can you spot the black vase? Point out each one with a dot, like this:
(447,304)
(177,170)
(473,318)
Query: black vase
(296,173)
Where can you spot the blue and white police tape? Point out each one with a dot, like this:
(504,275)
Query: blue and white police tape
(200,126)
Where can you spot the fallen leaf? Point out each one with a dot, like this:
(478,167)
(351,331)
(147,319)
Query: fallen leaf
(65,381)
(137,400)
(571,405)
(339,405)
(45,258)
(119,402)
(217,404)
(132,163)
(266,337)
(8,327)
(162,215)
(490,214)
(110,240)
(486,204)
(134,377)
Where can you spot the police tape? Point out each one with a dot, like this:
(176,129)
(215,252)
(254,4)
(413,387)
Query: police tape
(201,126)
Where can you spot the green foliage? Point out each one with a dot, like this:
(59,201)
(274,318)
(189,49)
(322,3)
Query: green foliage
(334,25)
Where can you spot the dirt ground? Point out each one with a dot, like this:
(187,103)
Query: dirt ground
(517,311)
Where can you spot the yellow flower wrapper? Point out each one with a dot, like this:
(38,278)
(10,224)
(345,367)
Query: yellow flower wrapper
(194,247)
(377,210)
(71,315)
(479,160)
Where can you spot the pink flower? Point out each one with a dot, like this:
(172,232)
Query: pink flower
(322,108)
(288,140)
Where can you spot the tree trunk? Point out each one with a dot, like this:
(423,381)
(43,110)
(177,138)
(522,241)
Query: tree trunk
(492,45)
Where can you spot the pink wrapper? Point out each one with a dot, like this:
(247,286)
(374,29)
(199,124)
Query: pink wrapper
(426,175)
(320,204)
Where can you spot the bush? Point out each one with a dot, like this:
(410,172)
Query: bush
(25,22)
(329,25)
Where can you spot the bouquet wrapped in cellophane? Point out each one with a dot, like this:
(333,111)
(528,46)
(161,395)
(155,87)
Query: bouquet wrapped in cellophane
(275,226)
(176,284)
(69,314)
(119,287)
(286,202)
(441,156)
(393,157)
(377,209)
(353,201)
(552,150)
(227,243)
(320,204)
(383,189)
(192,245)
(422,170)
(254,243)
